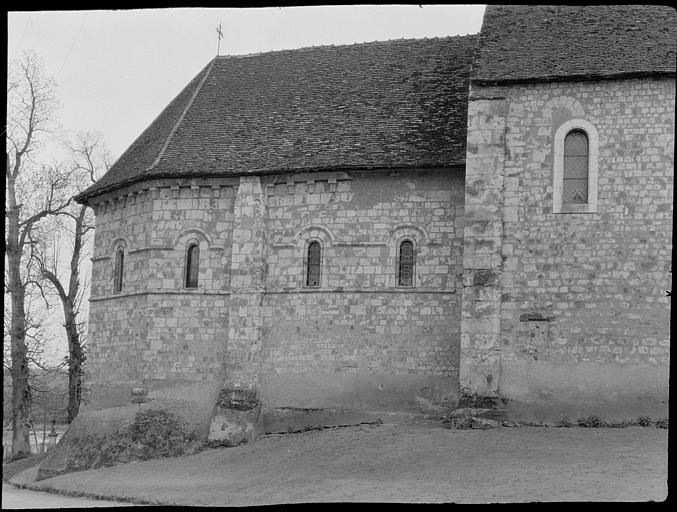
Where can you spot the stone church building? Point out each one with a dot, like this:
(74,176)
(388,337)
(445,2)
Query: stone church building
(315,236)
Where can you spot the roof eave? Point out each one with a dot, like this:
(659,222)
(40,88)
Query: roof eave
(84,197)
(587,77)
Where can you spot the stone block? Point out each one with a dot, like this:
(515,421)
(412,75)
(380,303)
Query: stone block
(483,423)
(486,277)
(475,412)
(475,418)
(237,418)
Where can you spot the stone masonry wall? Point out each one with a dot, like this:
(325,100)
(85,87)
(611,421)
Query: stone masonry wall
(358,340)
(156,329)
(584,318)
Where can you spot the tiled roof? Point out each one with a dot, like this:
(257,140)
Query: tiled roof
(549,42)
(393,104)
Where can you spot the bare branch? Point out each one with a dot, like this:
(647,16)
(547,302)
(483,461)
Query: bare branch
(30,102)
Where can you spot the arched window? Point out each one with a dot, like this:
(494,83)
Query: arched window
(405,266)
(313,263)
(575,172)
(575,167)
(192,265)
(119,269)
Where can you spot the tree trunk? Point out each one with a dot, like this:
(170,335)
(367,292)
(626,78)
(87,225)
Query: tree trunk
(21,392)
(76,357)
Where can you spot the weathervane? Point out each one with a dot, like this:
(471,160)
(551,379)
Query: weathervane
(220,35)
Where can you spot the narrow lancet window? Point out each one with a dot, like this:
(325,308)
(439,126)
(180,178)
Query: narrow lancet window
(313,264)
(575,174)
(192,266)
(119,269)
(405,271)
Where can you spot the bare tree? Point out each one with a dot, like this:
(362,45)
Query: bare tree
(90,157)
(33,193)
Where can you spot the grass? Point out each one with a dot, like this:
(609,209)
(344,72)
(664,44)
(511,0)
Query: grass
(17,466)
(595,421)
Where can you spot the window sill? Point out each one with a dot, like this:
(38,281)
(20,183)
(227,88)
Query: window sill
(578,208)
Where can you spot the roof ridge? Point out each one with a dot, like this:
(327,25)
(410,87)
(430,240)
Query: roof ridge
(181,117)
(346,45)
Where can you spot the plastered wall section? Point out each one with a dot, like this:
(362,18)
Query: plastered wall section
(358,340)
(584,314)
(156,330)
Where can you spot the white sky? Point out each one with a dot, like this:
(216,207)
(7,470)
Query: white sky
(117,70)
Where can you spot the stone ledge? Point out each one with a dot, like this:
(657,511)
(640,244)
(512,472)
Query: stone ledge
(359,290)
(182,291)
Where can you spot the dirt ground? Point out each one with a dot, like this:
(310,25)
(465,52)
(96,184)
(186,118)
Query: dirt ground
(412,463)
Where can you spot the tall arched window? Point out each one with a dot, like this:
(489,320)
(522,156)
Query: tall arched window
(405,266)
(313,264)
(575,172)
(192,265)
(575,167)
(119,270)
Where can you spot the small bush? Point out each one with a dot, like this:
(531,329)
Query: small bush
(95,450)
(662,423)
(644,421)
(159,433)
(591,422)
(565,422)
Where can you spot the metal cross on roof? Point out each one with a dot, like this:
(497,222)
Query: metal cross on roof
(220,35)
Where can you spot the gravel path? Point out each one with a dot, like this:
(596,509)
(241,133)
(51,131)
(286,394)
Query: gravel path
(401,463)
(13,498)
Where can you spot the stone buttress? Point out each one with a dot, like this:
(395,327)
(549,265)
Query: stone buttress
(482,240)
(237,415)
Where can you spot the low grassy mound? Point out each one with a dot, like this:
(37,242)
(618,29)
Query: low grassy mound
(151,433)
(17,466)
